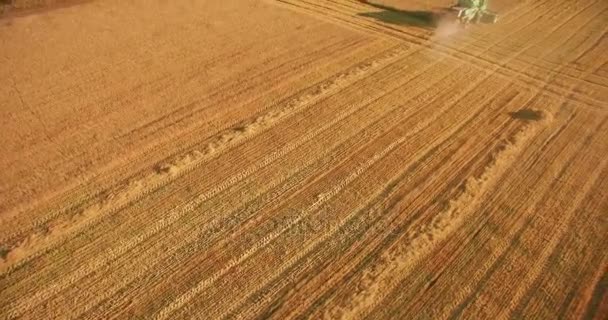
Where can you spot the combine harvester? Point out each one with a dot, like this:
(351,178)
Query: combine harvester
(474,11)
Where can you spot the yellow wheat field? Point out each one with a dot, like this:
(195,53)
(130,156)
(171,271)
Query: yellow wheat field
(281,159)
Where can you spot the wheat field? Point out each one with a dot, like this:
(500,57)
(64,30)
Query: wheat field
(314,159)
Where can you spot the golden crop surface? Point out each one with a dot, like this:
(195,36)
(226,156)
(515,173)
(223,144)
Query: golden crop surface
(314,159)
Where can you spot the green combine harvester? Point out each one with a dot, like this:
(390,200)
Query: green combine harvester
(474,11)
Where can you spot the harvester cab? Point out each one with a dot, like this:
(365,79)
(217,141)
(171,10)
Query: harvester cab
(474,11)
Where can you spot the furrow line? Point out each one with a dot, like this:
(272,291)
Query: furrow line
(279,273)
(178,303)
(196,158)
(197,232)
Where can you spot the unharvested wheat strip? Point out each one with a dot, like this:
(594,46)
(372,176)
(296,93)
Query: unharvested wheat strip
(198,232)
(135,41)
(278,272)
(310,101)
(40,221)
(57,79)
(203,284)
(423,82)
(512,222)
(92,265)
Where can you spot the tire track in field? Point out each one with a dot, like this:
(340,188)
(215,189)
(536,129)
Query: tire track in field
(377,281)
(40,222)
(136,185)
(540,90)
(173,168)
(318,241)
(201,261)
(178,303)
(199,232)
(418,288)
(421,241)
(564,99)
(580,195)
(492,205)
(141,188)
(457,54)
(468,299)
(21,306)
(523,294)
(219,224)
(116,97)
(556,72)
(186,297)
(417,283)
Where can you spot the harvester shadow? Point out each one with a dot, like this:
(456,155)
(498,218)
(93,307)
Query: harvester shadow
(423,19)
(527,114)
